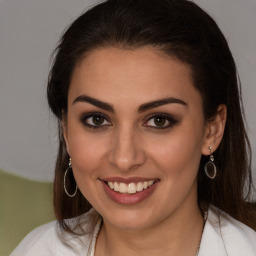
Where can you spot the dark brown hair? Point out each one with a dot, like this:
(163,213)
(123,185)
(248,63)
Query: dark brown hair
(181,30)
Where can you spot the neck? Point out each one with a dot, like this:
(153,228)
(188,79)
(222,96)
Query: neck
(179,234)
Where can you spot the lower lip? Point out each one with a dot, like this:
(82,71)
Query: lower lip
(129,198)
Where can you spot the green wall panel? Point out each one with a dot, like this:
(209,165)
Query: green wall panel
(24,205)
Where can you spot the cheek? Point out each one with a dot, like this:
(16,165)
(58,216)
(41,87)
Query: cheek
(177,154)
(86,152)
(87,156)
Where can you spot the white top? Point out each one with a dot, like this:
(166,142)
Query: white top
(233,238)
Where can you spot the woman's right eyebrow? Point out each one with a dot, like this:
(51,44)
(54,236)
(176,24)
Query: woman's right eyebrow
(98,103)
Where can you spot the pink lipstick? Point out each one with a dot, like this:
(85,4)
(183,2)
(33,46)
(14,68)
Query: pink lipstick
(129,191)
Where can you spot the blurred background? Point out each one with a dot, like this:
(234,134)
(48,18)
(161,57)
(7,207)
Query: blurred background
(29,32)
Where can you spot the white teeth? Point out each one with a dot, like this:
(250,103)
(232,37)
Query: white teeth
(130,188)
(145,184)
(123,188)
(139,186)
(111,185)
(116,186)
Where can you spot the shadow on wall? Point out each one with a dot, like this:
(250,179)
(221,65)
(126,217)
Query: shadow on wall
(24,205)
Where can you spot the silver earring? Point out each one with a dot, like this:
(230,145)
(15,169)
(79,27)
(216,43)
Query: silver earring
(69,168)
(210,167)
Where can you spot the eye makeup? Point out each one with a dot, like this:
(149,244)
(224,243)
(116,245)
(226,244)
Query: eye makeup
(160,121)
(94,120)
(98,120)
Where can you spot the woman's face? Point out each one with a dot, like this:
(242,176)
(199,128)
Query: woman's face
(134,118)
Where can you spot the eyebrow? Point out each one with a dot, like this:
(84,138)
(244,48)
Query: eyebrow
(95,102)
(142,108)
(157,103)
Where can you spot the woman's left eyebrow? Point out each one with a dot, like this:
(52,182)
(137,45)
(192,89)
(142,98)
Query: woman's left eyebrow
(158,103)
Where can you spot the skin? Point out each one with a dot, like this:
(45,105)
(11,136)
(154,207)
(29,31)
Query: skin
(130,144)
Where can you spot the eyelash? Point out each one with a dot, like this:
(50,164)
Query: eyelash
(84,120)
(165,117)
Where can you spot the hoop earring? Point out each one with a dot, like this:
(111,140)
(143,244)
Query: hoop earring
(210,167)
(69,168)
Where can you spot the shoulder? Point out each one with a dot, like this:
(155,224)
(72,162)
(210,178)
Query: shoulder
(227,236)
(46,240)
(39,240)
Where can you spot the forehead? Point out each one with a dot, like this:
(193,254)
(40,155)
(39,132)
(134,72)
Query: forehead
(144,74)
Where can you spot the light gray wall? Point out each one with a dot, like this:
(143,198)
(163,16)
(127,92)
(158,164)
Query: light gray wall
(29,31)
(237,21)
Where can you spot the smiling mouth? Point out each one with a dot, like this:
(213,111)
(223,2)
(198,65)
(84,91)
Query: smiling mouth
(130,188)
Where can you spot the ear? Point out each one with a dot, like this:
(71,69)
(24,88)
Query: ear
(214,130)
(65,131)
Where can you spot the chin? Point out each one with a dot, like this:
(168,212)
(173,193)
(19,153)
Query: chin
(132,219)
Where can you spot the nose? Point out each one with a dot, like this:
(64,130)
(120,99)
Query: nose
(126,151)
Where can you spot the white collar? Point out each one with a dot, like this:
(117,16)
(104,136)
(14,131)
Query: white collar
(222,236)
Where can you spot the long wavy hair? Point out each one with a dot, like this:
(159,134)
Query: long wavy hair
(181,30)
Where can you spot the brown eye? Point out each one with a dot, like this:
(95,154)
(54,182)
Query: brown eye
(95,120)
(98,120)
(160,121)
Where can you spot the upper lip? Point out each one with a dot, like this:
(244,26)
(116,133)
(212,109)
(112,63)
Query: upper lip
(127,180)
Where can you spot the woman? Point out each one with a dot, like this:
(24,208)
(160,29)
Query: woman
(151,127)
